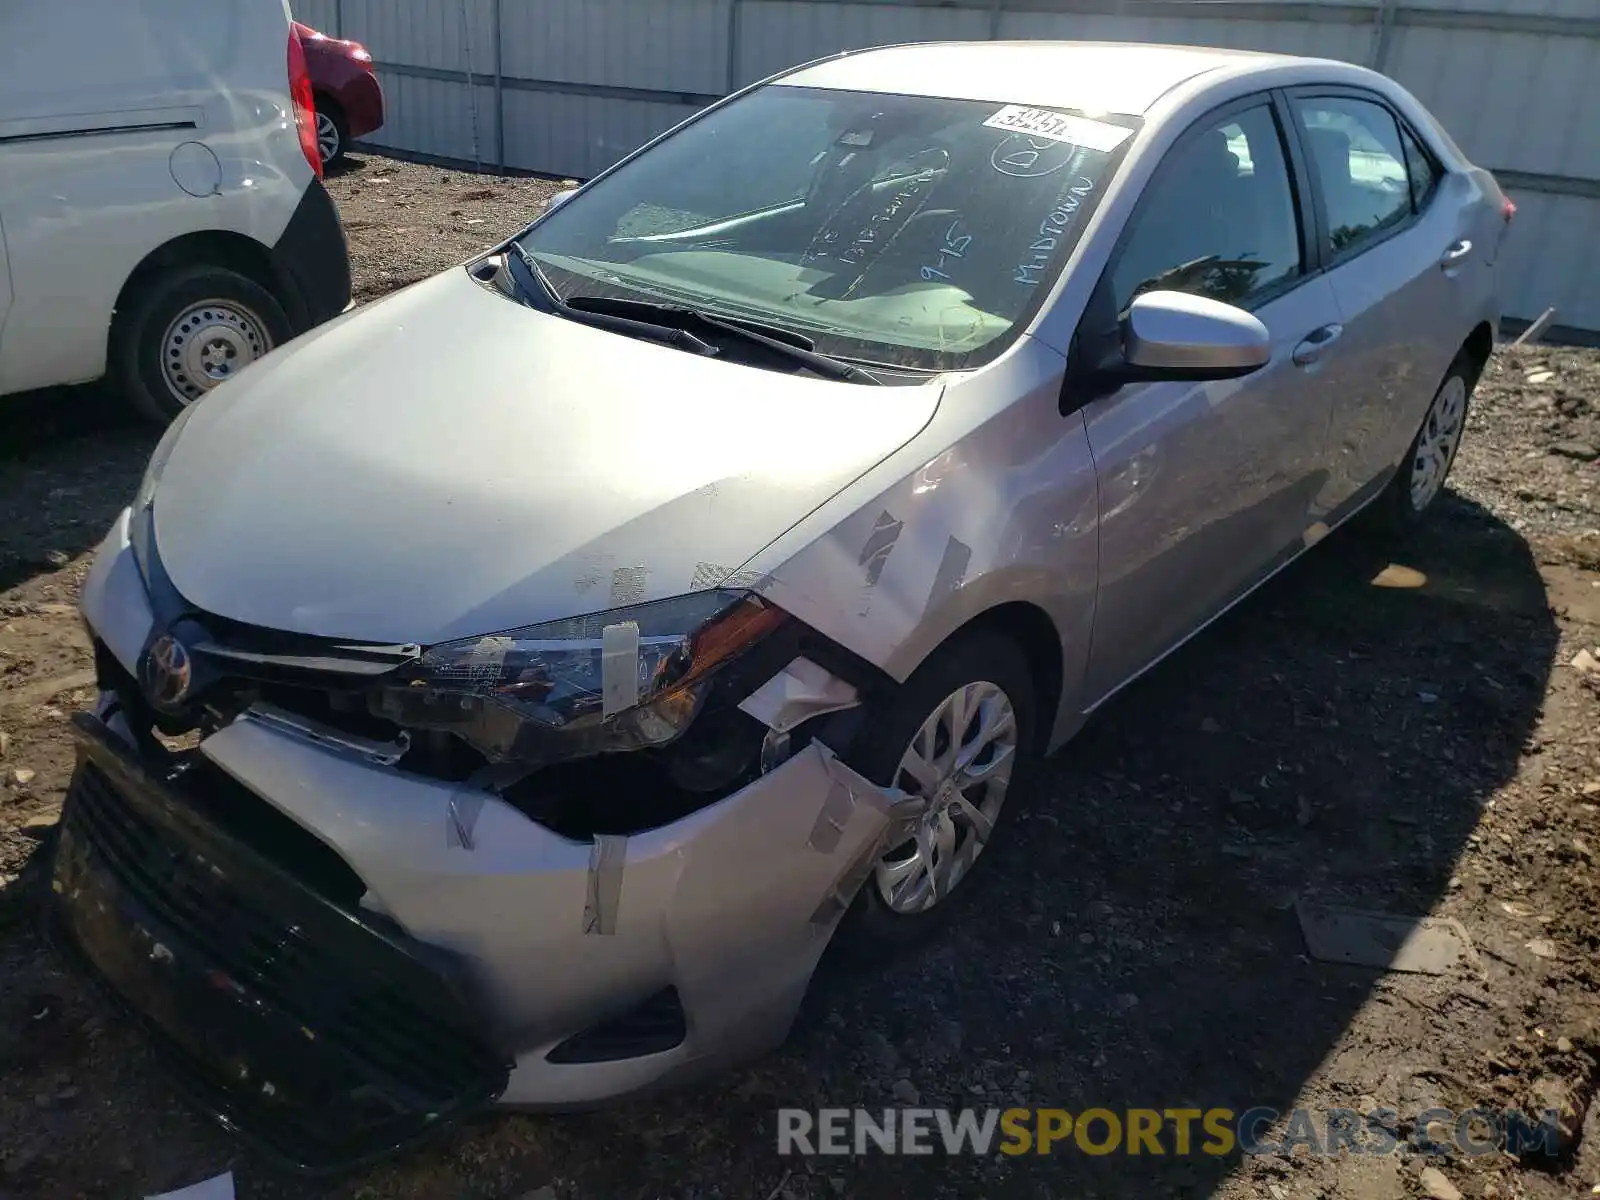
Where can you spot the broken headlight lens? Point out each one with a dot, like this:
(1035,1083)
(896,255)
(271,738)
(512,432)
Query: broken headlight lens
(617,680)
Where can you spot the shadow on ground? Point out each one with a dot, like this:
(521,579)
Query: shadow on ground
(348,163)
(70,460)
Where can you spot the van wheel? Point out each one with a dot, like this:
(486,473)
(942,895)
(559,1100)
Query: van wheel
(959,738)
(188,330)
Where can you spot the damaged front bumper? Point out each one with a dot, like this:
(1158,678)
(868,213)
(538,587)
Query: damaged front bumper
(534,969)
(324,1038)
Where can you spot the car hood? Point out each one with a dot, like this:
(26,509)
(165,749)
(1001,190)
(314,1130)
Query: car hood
(448,463)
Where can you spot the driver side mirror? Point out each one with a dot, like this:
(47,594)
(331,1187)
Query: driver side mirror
(1175,335)
(559,199)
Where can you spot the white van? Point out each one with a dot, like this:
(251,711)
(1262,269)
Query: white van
(162,217)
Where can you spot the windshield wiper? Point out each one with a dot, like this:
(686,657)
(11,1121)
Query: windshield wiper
(793,346)
(539,293)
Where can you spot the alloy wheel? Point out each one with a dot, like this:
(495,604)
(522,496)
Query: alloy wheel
(959,765)
(1436,444)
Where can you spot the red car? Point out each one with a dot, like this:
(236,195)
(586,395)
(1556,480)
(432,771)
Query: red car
(348,98)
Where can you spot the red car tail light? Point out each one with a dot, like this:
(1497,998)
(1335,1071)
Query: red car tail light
(305,112)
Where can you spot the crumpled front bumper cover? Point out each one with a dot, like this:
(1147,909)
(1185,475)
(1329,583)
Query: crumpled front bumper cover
(322,1038)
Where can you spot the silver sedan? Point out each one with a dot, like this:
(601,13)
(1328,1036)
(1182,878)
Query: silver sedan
(574,644)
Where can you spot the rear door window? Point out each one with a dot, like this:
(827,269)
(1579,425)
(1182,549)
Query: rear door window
(1359,168)
(1421,168)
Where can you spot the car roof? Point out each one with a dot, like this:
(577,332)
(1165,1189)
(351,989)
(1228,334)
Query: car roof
(1108,77)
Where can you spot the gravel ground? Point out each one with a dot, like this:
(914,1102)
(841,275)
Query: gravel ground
(1405,735)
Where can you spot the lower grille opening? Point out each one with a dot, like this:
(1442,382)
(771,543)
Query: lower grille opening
(266,830)
(655,1026)
(311,1032)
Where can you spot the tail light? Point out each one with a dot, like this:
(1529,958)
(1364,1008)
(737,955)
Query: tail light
(305,111)
(1508,210)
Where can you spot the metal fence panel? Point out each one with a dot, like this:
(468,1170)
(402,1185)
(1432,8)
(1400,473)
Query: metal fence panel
(435,117)
(1553,8)
(1514,101)
(456,35)
(1553,258)
(580,136)
(774,34)
(681,46)
(1348,41)
(582,82)
(321,15)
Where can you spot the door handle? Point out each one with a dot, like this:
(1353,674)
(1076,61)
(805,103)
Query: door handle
(1316,344)
(1456,255)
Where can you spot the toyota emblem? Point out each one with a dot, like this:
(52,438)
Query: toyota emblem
(167,672)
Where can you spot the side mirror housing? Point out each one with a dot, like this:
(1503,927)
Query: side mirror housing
(559,199)
(1175,335)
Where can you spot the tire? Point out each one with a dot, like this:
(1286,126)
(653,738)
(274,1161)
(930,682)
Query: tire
(333,131)
(162,363)
(1416,485)
(873,924)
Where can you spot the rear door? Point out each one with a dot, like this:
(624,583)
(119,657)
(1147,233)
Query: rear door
(1206,488)
(1395,234)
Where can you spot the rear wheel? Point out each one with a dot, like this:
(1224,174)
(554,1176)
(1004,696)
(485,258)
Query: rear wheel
(1421,477)
(959,740)
(188,330)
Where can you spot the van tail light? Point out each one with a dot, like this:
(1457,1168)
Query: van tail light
(305,111)
(1508,210)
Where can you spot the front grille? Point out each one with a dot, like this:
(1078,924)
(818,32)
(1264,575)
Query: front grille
(324,1038)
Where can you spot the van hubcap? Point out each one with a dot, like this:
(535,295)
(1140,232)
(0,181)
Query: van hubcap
(1436,445)
(209,343)
(959,764)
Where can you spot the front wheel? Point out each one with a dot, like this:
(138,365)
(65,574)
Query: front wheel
(188,330)
(959,740)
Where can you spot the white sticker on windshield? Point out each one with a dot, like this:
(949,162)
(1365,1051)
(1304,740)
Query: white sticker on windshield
(1059,127)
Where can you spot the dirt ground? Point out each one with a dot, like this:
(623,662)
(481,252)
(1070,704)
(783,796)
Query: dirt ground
(1400,732)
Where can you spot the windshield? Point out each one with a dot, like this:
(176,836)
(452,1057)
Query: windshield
(909,231)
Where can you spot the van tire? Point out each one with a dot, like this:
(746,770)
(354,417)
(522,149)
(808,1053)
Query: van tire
(245,323)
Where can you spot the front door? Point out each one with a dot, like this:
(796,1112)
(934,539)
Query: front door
(1206,488)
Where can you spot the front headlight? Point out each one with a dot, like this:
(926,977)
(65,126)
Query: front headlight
(617,680)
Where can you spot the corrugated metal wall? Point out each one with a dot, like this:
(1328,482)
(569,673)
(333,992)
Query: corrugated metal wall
(569,86)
